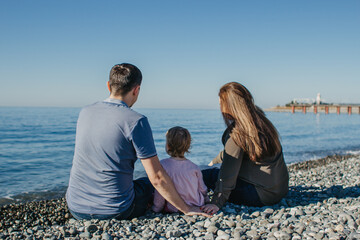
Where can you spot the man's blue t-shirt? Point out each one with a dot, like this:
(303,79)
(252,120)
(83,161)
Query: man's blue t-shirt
(110,137)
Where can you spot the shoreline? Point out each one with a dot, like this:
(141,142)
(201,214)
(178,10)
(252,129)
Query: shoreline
(323,203)
(59,192)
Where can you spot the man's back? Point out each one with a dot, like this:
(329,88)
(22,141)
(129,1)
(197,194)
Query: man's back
(109,139)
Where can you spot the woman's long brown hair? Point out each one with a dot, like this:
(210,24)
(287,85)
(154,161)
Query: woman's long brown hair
(252,131)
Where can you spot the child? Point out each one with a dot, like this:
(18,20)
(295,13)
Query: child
(186,175)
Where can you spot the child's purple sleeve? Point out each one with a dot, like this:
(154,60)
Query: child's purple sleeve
(159,202)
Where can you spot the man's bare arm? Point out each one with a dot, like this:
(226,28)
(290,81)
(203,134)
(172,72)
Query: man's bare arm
(163,184)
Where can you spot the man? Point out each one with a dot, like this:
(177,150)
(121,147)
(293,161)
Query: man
(110,137)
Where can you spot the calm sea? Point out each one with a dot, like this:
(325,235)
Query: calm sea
(37,144)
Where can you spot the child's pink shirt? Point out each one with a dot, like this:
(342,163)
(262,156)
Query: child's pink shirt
(188,181)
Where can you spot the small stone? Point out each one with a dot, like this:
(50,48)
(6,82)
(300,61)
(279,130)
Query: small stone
(72,231)
(209,236)
(87,223)
(105,236)
(255,214)
(171,234)
(252,233)
(200,224)
(212,229)
(354,236)
(263,223)
(223,237)
(299,229)
(319,235)
(230,223)
(296,237)
(277,216)
(72,220)
(85,235)
(284,236)
(92,228)
(207,223)
(269,211)
(273,225)
(339,228)
(334,236)
(197,233)
(189,219)
(299,212)
(214,218)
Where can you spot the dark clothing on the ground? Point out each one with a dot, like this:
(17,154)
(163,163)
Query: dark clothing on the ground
(243,194)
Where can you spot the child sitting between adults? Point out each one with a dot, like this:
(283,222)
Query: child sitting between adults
(186,175)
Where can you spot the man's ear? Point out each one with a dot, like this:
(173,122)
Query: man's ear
(108,85)
(136,90)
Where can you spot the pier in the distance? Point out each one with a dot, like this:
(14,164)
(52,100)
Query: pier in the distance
(306,105)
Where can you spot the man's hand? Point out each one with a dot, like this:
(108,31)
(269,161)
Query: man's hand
(196,211)
(210,208)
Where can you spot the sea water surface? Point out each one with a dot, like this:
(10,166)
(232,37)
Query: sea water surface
(37,144)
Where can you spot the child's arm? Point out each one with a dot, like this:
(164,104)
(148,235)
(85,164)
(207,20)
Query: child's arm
(159,202)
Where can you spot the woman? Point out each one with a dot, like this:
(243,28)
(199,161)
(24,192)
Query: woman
(253,171)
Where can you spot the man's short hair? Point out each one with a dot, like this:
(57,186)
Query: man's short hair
(123,78)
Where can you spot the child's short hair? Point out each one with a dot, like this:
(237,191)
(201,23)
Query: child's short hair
(178,141)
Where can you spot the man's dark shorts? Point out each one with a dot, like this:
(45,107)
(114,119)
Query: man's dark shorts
(143,199)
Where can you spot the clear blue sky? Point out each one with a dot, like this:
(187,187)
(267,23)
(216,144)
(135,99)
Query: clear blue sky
(59,53)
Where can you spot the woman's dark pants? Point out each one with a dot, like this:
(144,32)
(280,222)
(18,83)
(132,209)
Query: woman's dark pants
(243,194)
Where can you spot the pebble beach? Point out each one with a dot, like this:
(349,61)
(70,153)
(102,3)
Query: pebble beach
(323,203)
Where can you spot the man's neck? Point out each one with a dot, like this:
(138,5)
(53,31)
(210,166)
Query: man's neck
(125,99)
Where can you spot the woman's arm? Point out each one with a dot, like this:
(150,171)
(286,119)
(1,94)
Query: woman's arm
(229,171)
(217,159)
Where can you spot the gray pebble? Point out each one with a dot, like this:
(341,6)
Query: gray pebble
(209,236)
(72,231)
(252,233)
(223,237)
(230,223)
(212,229)
(85,235)
(72,220)
(105,236)
(255,214)
(87,223)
